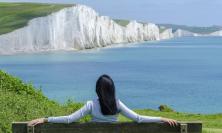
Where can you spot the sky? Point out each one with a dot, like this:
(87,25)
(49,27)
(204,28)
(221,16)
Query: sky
(186,12)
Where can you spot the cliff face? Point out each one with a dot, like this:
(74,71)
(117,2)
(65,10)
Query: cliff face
(74,28)
(217,33)
(184,33)
(166,34)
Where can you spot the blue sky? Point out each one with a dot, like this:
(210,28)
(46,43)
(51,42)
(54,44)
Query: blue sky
(188,12)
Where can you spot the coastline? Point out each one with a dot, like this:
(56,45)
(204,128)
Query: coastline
(58,50)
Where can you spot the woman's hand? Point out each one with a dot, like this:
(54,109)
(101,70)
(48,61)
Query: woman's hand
(37,121)
(171,122)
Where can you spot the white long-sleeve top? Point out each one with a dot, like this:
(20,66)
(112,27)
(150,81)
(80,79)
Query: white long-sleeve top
(93,108)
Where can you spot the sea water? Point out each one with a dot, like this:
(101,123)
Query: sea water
(184,73)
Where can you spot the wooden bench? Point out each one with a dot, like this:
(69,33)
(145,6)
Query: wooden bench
(129,127)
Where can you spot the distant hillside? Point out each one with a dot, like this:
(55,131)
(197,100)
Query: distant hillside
(163,27)
(22,102)
(17,15)
(200,30)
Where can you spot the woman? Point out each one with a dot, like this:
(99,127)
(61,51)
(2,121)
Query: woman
(103,109)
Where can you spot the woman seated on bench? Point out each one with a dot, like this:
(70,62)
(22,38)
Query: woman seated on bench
(103,109)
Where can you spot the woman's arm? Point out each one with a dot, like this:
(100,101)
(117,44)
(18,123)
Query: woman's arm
(141,118)
(86,109)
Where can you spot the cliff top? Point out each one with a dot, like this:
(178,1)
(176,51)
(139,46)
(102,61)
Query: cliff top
(17,15)
(122,22)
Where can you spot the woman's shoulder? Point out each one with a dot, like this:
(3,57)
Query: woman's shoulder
(120,104)
(118,101)
(92,102)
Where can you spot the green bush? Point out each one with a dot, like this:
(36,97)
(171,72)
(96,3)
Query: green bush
(22,102)
(165,108)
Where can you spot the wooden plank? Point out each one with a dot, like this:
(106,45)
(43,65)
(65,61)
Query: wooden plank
(19,127)
(128,127)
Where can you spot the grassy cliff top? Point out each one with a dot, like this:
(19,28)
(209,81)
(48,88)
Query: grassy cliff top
(17,15)
(122,22)
(22,102)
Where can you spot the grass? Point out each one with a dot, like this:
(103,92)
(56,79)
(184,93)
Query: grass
(22,102)
(17,15)
(122,22)
(162,29)
(211,123)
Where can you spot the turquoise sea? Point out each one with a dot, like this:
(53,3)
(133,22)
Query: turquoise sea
(184,73)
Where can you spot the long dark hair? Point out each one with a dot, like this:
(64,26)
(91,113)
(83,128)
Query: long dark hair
(105,90)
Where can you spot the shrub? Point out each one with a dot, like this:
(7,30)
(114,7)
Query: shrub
(22,102)
(165,108)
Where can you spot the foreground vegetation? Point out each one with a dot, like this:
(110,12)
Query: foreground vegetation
(17,15)
(23,102)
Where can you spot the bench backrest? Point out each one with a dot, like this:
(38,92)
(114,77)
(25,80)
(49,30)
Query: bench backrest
(191,127)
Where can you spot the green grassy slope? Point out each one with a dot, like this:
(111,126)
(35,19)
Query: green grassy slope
(211,123)
(17,15)
(124,22)
(22,102)
(162,29)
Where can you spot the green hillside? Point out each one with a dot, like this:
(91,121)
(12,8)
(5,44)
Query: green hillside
(23,102)
(17,15)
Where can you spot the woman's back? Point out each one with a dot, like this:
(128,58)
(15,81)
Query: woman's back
(97,115)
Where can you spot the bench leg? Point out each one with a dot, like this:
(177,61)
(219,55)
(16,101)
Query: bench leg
(183,128)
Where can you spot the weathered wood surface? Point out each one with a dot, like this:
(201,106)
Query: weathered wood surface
(130,127)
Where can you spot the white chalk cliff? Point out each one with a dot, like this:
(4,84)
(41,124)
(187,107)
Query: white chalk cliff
(217,33)
(185,33)
(75,28)
(166,34)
